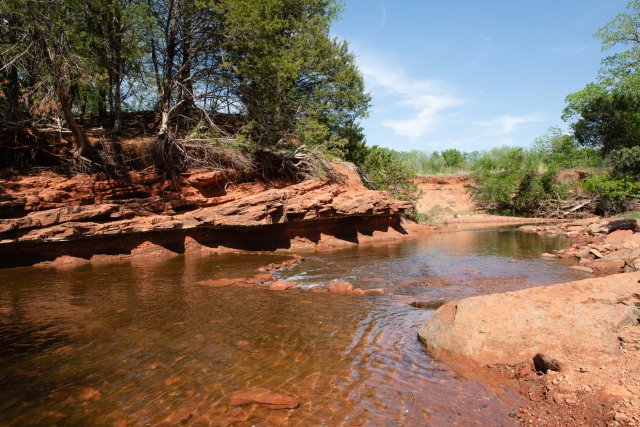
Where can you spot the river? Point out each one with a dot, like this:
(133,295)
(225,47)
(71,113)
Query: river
(142,343)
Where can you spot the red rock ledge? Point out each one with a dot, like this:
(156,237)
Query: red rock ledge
(82,219)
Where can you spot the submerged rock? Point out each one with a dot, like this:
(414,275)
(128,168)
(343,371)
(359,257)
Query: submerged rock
(89,394)
(427,305)
(263,397)
(340,287)
(375,291)
(582,268)
(219,283)
(282,285)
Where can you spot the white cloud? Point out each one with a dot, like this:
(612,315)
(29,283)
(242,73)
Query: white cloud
(505,125)
(569,50)
(421,103)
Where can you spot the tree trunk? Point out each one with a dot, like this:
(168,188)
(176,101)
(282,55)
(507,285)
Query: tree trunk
(164,123)
(83,103)
(79,139)
(13,83)
(118,70)
(13,92)
(102,104)
(62,90)
(117,106)
(186,84)
(168,79)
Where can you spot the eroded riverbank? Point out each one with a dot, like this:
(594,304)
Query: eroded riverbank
(143,342)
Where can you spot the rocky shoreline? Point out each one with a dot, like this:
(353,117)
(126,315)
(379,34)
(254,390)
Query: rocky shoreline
(601,246)
(571,348)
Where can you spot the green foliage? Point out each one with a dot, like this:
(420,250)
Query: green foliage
(502,172)
(614,194)
(112,40)
(514,179)
(42,41)
(435,163)
(382,170)
(606,115)
(622,33)
(605,118)
(274,62)
(631,216)
(290,74)
(561,151)
(453,158)
(511,179)
(625,162)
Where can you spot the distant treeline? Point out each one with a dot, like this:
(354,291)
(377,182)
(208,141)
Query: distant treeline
(554,150)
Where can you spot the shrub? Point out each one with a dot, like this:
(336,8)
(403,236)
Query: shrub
(499,174)
(382,170)
(625,162)
(512,179)
(614,194)
(453,158)
(559,150)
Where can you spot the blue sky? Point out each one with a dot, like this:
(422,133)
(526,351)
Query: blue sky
(471,74)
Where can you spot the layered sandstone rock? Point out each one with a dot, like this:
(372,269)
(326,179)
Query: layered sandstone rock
(189,215)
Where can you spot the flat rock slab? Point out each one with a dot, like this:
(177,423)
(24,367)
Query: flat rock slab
(580,317)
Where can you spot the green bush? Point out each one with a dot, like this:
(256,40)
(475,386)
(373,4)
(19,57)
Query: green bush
(614,194)
(561,151)
(625,162)
(453,158)
(512,179)
(382,170)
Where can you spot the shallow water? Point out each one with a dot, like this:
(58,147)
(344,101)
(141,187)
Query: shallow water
(141,343)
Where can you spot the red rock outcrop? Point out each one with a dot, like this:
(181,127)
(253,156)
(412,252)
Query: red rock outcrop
(47,216)
(604,246)
(589,328)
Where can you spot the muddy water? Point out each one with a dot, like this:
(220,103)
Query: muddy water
(142,343)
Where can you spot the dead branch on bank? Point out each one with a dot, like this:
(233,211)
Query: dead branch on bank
(577,206)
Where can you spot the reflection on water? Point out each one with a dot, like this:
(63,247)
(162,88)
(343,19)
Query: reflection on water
(142,343)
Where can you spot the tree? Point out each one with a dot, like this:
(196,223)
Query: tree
(623,32)
(606,114)
(48,33)
(184,39)
(290,75)
(625,162)
(271,62)
(453,158)
(604,119)
(10,58)
(112,40)
(560,150)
